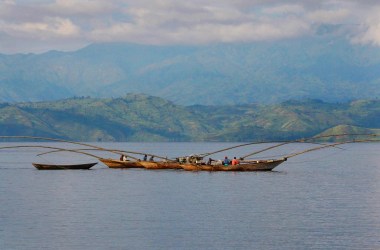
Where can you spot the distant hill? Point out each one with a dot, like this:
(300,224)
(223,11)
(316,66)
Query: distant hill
(325,68)
(147,118)
(350,133)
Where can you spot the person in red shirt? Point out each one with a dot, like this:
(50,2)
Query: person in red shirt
(235,161)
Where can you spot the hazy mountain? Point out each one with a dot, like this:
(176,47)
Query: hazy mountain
(147,118)
(325,68)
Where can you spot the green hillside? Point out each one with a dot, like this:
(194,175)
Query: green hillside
(147,118)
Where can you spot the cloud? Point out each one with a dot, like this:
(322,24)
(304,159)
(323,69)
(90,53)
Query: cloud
(181,22)
(329,16)
(284,9)
(369,29)
(50,27)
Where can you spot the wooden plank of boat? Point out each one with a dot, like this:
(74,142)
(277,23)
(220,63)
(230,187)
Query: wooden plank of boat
(190,167)
(160,165)
(113,163)
(169,165)
(43,166)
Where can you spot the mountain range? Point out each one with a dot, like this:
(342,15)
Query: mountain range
(325,68)
(147,118)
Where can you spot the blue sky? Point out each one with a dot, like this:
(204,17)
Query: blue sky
(42,25)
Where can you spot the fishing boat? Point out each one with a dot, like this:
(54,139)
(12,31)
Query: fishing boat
(113,163)
(44,166)
(251,165)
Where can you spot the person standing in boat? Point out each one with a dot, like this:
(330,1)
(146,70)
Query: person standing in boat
(145,158)
(226,161)
(235,161)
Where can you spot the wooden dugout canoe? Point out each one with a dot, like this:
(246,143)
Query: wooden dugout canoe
(42,166)
(259,165)
(113,163)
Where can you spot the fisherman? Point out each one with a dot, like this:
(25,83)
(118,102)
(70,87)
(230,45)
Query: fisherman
(226,161)
(209,161)
(235,161)
(145,158)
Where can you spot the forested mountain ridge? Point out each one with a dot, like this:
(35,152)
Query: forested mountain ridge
(147,118)
(325,68)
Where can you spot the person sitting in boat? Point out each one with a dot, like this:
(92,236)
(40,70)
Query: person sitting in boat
(151,158)
(235,161)
(226,161)
(145,158)
(124,158)
(209,161)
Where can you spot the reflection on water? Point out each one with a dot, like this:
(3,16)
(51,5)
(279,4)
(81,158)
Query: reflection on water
(328,199)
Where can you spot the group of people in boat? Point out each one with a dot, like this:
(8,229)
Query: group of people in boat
(233,162)
(225,162)
(145,158)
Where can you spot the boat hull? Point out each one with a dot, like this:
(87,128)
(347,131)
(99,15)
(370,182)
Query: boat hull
(41,166)
(160,165)
(262,165)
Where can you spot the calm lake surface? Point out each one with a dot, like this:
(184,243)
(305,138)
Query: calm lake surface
(327,199)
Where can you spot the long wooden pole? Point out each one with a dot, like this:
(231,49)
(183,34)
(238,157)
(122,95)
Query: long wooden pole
(112,150)
(328,146)
(48,147)
(82,144)
(282,143)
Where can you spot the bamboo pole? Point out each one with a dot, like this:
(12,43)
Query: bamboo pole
(282,143)
(48,147)
(84,144)
(328,146)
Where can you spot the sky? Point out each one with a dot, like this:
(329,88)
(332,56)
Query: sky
(37,26)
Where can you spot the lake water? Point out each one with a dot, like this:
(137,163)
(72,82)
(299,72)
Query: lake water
(327,199)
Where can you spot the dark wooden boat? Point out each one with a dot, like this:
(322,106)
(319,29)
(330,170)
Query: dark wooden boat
(255,165)
(113,163)
(43,166)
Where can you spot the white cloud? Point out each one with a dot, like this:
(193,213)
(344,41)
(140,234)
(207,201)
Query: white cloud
(51,27)
(369,30)
(284,9)
(329,16)
(81,7)
(173,21)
